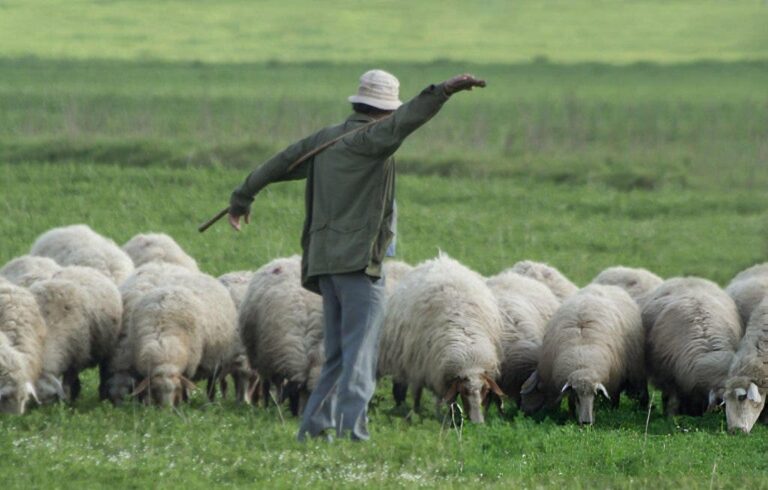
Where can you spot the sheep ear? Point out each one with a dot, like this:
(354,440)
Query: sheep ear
(530,384)
(451,393)
(601,388)
(187,384)
(493,386)
(753,394)
(565,387)
(31,391)
(57,386)
(141,387)
(712,399)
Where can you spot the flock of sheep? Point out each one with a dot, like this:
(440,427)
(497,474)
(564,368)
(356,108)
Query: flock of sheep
(154,324)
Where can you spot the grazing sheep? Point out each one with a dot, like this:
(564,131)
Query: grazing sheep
(158,247)
(526,307)
(747,384)
(593,345)
(748,293)
(245,377)
(22,333)
(182,332)
(28,269)
(637,282)
(442,330)
(692,332)
(281,325)
(545,273)
(82,309)
(122,376)
(80,245)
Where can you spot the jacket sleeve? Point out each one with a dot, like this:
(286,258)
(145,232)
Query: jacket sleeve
(385,137)
(273,170)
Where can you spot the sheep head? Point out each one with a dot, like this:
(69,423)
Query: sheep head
(744,401)
(473,391)
(14,397)
(165,387)
(582,386)
(119,387)
(49,389)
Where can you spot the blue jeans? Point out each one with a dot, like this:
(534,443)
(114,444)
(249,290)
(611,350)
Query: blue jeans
(352,311)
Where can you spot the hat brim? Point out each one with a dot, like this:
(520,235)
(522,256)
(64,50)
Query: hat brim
(385,105)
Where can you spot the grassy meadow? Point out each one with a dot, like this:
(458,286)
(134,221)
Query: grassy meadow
(631,133)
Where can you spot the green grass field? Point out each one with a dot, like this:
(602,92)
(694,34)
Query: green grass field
(611,132)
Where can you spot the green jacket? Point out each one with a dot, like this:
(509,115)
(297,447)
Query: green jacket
(350,188)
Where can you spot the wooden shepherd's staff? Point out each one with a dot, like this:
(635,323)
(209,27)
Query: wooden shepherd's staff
(295,164)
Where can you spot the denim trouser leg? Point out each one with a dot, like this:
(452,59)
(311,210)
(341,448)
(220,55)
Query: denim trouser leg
(352,307)
(319,414)
(361,314)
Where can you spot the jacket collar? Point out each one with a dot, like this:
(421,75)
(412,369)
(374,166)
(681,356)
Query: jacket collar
(357,117)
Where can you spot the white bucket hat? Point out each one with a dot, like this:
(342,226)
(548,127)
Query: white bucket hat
(378,89)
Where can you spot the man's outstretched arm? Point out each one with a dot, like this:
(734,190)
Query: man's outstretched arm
(386,136)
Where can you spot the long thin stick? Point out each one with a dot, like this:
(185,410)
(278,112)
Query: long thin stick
(295,164)
(211,221)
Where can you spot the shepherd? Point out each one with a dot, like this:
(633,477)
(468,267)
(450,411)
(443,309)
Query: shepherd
(348,230)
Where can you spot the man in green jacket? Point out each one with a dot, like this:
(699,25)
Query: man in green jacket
(349,204)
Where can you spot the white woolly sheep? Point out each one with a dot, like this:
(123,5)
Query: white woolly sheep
(636,281)
(545,273)
(245,377)
(593,345)
(122,376)
(82,309)
(28,269)
(526,306)
(747,384)
(692,332)
(281,325)
(80,245)
(158,247)
(442,330)
(182,332)
(748,292)
(22,333)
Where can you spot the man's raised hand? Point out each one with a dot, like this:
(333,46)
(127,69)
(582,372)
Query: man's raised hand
(462,82)
(234,221)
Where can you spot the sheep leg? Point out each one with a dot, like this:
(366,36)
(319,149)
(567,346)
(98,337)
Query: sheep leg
(671,403)
(417,398)
(104,375)
(72,384)
(254,390)
(265,387)
(303,399)
(224,387)
(291,391)
(210,389)
(399,392)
